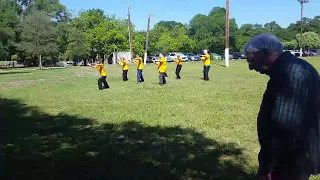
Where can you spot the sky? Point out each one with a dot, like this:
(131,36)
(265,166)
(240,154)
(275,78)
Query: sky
(244,11)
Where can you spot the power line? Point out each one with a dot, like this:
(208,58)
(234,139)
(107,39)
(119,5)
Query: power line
(181,1)
(166,7)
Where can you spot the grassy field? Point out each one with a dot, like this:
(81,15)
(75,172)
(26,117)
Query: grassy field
(58,125)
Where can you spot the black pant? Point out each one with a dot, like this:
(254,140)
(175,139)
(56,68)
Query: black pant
(103,80)
(206,73)
(125,75)
(162,78)
(178,69)
(281,173)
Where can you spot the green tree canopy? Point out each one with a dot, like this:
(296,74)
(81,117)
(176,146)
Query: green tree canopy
(38,36)
(9,20)
(311,40)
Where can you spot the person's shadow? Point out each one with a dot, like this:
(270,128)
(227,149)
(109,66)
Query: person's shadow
(36,146)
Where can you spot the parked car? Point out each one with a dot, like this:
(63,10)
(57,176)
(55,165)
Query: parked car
(238,55)
(316,52)
(149,59)
(215,56)
(156,58)
(230,56)
(293,52)
(172,56)
(64,63)
(312,52)
(192,57)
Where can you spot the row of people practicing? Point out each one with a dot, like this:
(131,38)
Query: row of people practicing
(162,69)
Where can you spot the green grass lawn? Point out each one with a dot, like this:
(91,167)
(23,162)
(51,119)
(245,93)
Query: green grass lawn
(58,125)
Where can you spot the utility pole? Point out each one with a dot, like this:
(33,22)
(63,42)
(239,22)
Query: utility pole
(147,41)
(226,51)
(130,32)
(301,3)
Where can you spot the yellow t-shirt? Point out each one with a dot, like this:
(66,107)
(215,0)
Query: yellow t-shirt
(179,61)
(162,67)
(206,60)
(101,69)
(139,63)
(124,65)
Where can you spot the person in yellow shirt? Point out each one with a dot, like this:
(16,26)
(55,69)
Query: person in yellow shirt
(162,68)
(140,67)
(103,73)
(125,68)
(206,65)
(179,66)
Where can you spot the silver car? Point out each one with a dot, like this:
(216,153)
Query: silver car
(192,57)
(172,56)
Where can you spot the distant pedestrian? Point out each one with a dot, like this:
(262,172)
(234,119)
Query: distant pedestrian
(102,79)
(289,118)
(206,65)
(140,67)
(125,68)
(179,66)
(162,69)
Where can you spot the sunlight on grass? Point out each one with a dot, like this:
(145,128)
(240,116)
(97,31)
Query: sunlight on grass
(223,109)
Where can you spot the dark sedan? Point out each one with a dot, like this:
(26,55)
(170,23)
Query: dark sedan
(238,55)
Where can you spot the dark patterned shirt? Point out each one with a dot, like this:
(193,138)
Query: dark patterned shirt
(289,117)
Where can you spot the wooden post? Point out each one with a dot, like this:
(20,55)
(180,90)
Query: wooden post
(40,62)
(226,52)
(130,32)
(147,41)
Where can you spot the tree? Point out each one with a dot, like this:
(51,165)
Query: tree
(176,39)
(200,31)
(209,31)
(139,41)
(311,40)
(53,8)
(291,44)
(104,33)
(63,31)
(240,41)
(38,36)
(169,24)
(314,24)
(272,27)
(9,11)
(77,44)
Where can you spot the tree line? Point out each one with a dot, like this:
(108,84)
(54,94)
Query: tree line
(44,30)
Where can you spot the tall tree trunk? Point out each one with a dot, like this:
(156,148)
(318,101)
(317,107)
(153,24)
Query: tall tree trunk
(40,62)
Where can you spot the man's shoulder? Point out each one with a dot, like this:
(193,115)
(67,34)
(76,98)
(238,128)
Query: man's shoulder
(301,66)
(295,70)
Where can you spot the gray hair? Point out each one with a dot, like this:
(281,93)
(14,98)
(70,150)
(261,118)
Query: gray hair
(268,42)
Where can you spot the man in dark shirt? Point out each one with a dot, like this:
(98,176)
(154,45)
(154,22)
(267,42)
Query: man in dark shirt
(288,122)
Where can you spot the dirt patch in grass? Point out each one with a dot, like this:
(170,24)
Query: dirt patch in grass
(17,83)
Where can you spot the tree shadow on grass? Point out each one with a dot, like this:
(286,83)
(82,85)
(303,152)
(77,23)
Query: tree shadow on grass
(222,65)
(36,145)
(13,72)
